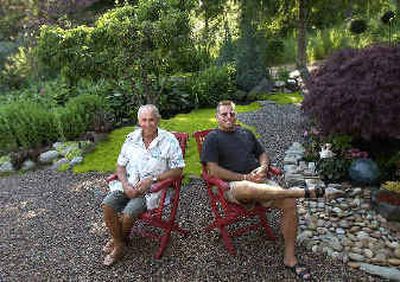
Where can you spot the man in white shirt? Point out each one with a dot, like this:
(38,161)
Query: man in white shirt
(148,155)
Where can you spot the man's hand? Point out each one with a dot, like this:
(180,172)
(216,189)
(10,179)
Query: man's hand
(258,175)
(130,191)
(143,185)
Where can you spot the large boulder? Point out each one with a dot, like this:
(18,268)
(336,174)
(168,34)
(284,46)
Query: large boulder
(48,157)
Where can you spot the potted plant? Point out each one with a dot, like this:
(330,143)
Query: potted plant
(387,200)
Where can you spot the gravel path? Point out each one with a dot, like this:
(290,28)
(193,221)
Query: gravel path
(52,229)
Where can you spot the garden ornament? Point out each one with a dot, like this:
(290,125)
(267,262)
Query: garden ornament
(364,171)
(326,151)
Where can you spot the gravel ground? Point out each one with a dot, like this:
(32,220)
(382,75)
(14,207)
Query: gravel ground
(52,229)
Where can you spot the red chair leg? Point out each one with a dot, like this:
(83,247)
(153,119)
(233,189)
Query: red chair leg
(227,241)
(267,228)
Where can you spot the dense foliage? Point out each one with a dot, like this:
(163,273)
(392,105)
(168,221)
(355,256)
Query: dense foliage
(356,92)
(25,124)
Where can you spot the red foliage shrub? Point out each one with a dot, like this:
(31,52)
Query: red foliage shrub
(357,92)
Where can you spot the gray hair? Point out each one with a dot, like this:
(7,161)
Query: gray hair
(226,103)
(150,107)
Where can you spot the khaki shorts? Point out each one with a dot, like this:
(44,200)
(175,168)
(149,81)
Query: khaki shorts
(229,196)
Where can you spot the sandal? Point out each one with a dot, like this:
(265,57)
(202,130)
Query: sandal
(109,247)
(301,271)
(322,192)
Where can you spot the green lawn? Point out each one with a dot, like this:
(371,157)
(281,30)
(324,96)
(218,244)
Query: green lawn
(104,157)
(283,98)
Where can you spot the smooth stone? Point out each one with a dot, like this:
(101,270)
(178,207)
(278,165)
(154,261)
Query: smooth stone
(355,229)
(6,167)
(335,244)
(327,250)
(76,160)
(397,252)
(358,244)
(316,249)
(394,261)
(321,230)
(368,253)
(344,224)
(337,210)
(390,273)
(320,223)
(362,235)
(355,203)
(304,235)
(380,257)
(355,191)
(354,265)
(48,157)
(28,165)
(356,250)
(356,257)
(56,165)
(340,231)
(376,235)
(391,245)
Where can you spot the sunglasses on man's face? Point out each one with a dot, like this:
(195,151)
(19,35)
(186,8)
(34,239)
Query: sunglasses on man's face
(232,114)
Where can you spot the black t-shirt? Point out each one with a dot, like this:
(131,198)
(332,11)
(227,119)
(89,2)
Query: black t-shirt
(237,151)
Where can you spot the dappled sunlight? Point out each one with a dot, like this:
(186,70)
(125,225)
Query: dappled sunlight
(88,185)
(33,213)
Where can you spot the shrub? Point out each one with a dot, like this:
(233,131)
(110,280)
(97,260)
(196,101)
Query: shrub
(78,115)
(358,26)
(212,85)
(356,93)
(176,97)
(25,124)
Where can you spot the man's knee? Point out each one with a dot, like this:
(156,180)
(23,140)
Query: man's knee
(287,204)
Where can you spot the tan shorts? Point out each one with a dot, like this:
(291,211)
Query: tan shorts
(229,196)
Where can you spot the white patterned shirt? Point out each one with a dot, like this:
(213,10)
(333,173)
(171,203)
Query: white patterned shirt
(163,154)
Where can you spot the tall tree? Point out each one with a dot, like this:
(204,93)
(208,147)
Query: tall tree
(301,61)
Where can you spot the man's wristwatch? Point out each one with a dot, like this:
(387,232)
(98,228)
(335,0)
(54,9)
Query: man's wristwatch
(154,179)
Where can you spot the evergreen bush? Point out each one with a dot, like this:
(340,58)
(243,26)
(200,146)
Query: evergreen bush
(78,115)
(213,85)
(356,92)
(24,124)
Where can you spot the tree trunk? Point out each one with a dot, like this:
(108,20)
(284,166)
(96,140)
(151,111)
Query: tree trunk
(302,40)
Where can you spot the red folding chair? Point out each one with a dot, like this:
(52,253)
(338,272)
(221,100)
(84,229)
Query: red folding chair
(162,218)
(226,213)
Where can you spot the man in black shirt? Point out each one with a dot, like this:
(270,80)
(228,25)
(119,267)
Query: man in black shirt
(234,154)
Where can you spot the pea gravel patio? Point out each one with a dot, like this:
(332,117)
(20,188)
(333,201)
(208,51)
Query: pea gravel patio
(52,229)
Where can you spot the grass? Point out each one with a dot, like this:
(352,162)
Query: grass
(103,158)
(283,98)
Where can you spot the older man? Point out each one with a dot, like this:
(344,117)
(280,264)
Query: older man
(148,155)
(235,155)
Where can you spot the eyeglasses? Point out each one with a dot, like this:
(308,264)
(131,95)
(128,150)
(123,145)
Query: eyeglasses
(232,114)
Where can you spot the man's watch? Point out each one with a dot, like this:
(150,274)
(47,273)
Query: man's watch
(154,179)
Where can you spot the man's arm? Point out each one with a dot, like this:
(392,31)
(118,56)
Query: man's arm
(143,185)
(129,190)
(215,170)
(263,160)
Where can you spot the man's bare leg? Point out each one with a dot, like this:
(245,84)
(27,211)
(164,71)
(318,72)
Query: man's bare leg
(245,191)
(115,227)
(288,228)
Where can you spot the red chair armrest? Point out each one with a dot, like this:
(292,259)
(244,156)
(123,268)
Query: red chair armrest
(273,170)
(163,184)
(215,181)
(112,177)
